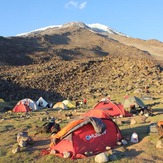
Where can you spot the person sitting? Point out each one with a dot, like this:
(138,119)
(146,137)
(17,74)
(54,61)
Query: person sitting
(133,109)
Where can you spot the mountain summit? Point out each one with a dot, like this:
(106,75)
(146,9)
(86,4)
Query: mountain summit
(99,28)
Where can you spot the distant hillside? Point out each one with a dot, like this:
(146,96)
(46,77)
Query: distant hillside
(76,61)
(154,47)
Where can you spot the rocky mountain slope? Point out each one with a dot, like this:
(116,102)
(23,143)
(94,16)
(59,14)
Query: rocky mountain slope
(154,47)
(74,62)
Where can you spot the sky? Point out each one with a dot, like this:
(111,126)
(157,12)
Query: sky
(135,18)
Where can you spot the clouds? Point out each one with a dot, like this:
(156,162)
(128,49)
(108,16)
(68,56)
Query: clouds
(75,4)
(82,5)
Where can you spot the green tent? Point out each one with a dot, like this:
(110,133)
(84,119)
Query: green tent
(133,100)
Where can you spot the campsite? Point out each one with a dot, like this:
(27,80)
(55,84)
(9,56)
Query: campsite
(11,123)
(47,75)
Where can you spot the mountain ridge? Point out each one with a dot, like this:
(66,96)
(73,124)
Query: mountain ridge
(96,27)
(73,61)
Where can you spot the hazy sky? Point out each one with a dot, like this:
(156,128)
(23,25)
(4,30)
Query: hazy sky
(136,18)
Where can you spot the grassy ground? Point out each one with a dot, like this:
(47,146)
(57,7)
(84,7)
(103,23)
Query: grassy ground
(143,151)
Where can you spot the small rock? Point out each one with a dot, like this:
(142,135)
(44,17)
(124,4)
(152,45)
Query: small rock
(153,128)
(119,143)
(2,120)
(110,152)
(22,143)
(118,121)
(124,142)
(66,154)
(53,152)
(108,148)
(101,158)
(159,144)
(133,122)
(16,150)
(146,115)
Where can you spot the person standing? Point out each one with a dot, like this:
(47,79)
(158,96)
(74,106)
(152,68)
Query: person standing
(84,102)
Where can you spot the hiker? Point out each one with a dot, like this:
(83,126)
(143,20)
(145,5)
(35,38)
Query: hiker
(49,127)
(77,104)
(84,102)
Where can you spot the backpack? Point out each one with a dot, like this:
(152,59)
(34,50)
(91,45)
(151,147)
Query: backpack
(47,126)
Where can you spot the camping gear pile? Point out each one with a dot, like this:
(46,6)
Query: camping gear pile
(48,127)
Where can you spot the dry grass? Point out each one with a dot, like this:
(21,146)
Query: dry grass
(10,125)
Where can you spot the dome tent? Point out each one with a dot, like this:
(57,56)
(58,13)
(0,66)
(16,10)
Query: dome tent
(26,102)
(112,109)
(85,136)
(133,100)
(59,105)
(69,104)
(41,103)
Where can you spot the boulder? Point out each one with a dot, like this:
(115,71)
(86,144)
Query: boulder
(101,158)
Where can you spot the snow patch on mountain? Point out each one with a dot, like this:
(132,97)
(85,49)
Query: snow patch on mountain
(99,28)
(39,30)
(104,29)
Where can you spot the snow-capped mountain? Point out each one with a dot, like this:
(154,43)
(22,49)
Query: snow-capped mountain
(99,28)
(103,28)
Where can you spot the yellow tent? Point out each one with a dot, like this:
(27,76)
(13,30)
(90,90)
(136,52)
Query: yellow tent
(1,100)
(59,105)
(68,104)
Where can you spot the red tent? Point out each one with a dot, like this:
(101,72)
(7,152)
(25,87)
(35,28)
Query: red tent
(82,139)
(99,113)
(21,108)
(112,109)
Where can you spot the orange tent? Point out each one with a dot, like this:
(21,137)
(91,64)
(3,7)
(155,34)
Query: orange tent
(21,108)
